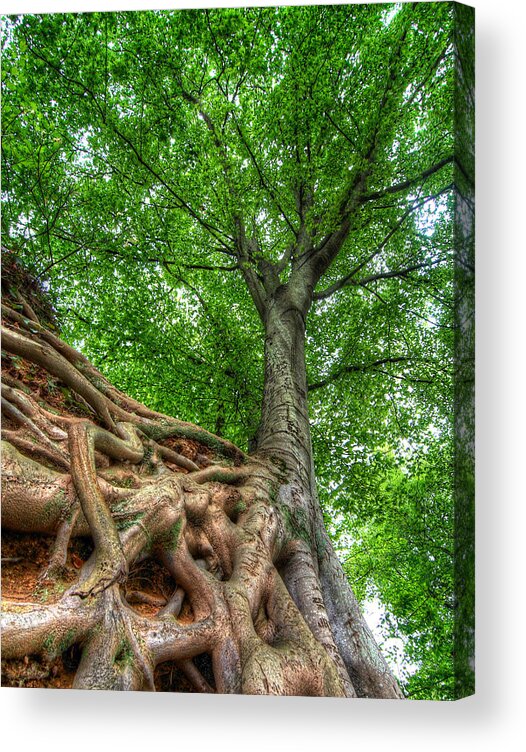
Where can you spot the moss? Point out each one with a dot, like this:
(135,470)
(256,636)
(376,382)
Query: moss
(280,465)
(127,522)
(273,494)
(147,457)
(42,594)
(51,409)
(170,538)
(165,430)
(124,654)
(321,542)
(159,432)
(297,523)
(119,508)
(239,507)
(58,587)
(55,505)
(48,644)
(68,516)
(53,647)
(100,385)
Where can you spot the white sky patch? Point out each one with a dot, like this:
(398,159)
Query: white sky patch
(83,155)
(388,15)
(393,648)
(430,213)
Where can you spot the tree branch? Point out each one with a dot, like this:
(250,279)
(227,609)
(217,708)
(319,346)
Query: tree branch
(398,272)
(262,178)
(348,279)
(211,268)
(398,187)
(360,368)
(320,258)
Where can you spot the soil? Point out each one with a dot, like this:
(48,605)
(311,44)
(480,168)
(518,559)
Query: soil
(169,678)
(25,555)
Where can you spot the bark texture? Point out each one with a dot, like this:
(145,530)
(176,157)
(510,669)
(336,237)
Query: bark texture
(258,603)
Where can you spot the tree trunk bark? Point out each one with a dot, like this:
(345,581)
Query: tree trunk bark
(310,569)
(284,431)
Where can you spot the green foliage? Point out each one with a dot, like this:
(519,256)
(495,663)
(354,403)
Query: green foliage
(402,555)
(135,146)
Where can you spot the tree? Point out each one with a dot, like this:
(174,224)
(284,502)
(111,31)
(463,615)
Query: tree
(193,183)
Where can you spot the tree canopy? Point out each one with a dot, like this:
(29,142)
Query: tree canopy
(158,165)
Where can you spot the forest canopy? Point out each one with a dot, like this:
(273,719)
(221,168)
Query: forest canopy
(167,174)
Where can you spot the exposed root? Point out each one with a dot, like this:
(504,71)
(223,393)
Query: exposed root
(136,596)
(59,552)
(194,676)
(174,605)
(104,572)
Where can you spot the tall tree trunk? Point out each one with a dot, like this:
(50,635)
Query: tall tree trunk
(310,567)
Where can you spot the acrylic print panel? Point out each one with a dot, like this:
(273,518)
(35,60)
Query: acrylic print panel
(238,351)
